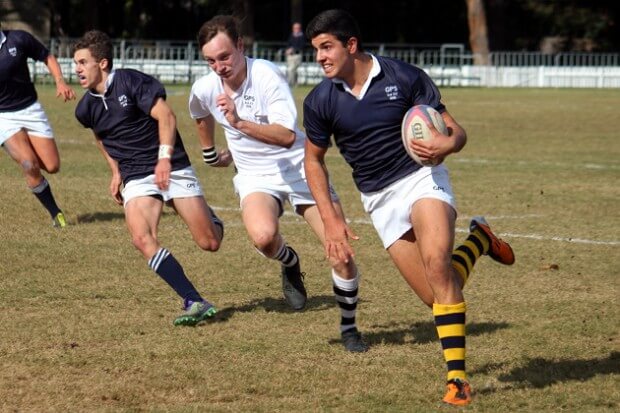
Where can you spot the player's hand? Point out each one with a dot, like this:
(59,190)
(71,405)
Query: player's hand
(64,90)
(115,189)
(337,235)
(225,158)
(227,106)
(434,150)
(162,173)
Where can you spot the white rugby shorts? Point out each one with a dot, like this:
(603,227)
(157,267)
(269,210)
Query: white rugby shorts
(183,184)
(390,208)
(32,119)
(290,186)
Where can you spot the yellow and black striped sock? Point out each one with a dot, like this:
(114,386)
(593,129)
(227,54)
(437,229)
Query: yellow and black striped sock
(464,257)
(450,323)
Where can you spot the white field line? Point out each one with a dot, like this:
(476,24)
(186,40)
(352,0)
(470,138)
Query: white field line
(365,221)
(611,165)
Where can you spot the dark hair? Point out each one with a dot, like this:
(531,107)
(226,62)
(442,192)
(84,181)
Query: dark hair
(221,23)
(99,45)
(335,22)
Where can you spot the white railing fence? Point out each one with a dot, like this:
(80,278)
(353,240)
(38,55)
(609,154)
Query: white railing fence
(447,64)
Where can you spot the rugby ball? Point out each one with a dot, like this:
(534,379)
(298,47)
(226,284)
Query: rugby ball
(415,126)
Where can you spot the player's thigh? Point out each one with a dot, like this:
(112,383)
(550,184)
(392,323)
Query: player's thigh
(260,213)
(433,225)
(21,151)
(47,152)
(142,216)
(195,213)
(406,256)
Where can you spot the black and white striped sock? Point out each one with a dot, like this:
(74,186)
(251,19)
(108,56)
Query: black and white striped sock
(346,293)
(287,256)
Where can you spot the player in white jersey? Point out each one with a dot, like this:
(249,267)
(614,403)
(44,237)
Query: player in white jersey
(251,99)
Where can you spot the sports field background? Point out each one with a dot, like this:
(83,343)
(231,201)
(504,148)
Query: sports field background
(86,326)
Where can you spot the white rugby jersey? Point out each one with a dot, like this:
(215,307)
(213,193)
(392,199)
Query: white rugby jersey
(264,97)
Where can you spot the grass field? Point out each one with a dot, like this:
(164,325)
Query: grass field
(86,326)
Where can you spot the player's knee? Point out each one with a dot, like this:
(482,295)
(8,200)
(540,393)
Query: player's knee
(30,167)
(141,242)
(437,268)
(52,168)
(209,243)
(264,241)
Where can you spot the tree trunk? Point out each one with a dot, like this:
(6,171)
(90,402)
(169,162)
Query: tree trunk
(478,36)
(296,12)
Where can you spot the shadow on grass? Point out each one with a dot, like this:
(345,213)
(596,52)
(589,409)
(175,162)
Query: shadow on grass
(100,216)
(423,332)
(109,216)
(540,372)
(269,304)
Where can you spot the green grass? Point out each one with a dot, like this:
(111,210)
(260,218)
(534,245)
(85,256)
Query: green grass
(86,326)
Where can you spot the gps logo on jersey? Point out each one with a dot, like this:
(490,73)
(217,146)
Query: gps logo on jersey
(391,92)
(13,51)
(248,101)
(122,99)
(191,185)
(439,188)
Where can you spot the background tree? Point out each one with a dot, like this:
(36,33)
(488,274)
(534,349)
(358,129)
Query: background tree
(478,35)
(590,25)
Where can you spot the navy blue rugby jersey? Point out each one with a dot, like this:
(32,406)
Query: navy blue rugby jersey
(16,90)
(121,119)
(367,131)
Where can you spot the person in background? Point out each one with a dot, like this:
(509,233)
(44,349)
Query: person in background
(361,103)
(136,132)
(25,131)
(294,53)
(252,101)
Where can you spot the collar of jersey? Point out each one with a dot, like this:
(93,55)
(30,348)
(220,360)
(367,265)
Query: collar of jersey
(2,38)
(374,71)
(108,82)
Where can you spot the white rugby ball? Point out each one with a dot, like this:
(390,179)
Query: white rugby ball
(415,126)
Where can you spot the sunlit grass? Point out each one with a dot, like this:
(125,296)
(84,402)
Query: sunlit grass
(86,326)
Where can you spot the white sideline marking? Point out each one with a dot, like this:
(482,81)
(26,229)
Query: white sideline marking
(364,221)
(611,165)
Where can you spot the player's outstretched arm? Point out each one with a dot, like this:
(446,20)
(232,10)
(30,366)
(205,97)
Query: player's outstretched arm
(205,127)
(62,89)
(167,124)
(337,232)
(116,180)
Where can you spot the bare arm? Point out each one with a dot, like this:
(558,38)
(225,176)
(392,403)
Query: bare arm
(273,134)
(116,181)
(206,135)
(337,232)
(167,123)
(62,89)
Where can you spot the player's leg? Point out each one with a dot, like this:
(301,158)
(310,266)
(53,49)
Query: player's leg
(206,228)
(260,212)
(406,256)
(345,279)
(142,215)
(21,150)
(47,153)
(433,224)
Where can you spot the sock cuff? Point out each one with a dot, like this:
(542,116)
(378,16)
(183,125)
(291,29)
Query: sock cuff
(41,187)
(346,285)
(158,258)
(443,309)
